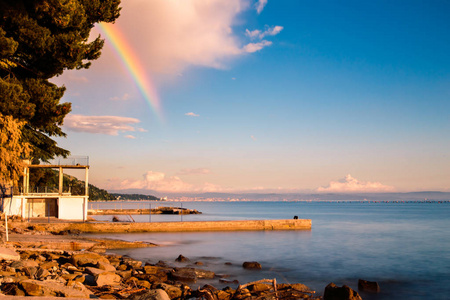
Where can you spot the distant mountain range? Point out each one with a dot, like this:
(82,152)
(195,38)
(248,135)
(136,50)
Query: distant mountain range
(410,196)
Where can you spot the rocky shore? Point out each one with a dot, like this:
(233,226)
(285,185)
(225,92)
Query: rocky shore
(32,266)
(43,272)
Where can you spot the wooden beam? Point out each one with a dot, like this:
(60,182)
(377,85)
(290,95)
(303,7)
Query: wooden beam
(61,177)
(86,182)
(58,166)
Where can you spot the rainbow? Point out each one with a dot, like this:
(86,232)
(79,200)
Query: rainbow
(134,67)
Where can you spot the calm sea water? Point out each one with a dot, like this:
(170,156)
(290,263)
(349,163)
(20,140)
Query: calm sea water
(405,247)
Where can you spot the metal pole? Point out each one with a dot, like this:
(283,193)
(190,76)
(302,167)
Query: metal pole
(6,226)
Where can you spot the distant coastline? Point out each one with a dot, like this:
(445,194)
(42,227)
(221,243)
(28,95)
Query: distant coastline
(431,196)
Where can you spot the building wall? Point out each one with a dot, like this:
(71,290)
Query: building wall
(13,207)
(67,207)
(73,207)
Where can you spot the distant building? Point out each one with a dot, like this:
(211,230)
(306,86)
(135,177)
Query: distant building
(46,202)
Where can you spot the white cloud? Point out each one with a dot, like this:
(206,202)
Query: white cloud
(191,114)
(123,98)
(198,171)
(156,181)
(169,36)
(253,47)
(350,184)
(270,31)
(260,5)
(160,182)
(253,34)
(132,137)
(110,125)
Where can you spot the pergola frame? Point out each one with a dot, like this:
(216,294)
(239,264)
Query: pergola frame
(26,176)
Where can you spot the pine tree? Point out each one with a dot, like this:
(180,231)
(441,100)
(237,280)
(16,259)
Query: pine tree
(40,39)
(12,149)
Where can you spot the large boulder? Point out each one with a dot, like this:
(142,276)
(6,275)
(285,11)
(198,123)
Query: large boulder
(252,265)
(49,265)
(42,273)
(152,270)
(171,290)
(134,264)
(204,274)
(124,274)
(54,288)
(94,271)
(368,286)
(182,258)
(157,294)
(88,259)
(24,264)
(106,266)
(107,278)
(184,274)
(9,254)
(333,292)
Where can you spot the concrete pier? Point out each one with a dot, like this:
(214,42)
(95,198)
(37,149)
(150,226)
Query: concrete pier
(197,226)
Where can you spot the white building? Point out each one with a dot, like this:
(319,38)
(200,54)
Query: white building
(59,204)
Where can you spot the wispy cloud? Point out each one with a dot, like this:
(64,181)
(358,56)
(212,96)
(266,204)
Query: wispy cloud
(253,137)
(191,114)
(258,34)
(124,97)
(350,184)
(110,125)
(132,137)
(198,171)
(253,47)
(253,34)
(270,31)
(260,6)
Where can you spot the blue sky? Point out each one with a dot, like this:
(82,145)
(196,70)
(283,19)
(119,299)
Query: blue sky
(293,96)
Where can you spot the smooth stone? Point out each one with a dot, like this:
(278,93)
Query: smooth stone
(9,254)
(88,259)
(252,265)
(107,278)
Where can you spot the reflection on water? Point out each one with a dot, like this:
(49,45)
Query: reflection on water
(405,247)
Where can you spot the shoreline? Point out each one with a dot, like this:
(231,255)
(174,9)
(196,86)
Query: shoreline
(127,278)
(131,277)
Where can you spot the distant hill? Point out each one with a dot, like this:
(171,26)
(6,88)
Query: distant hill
(134,197)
